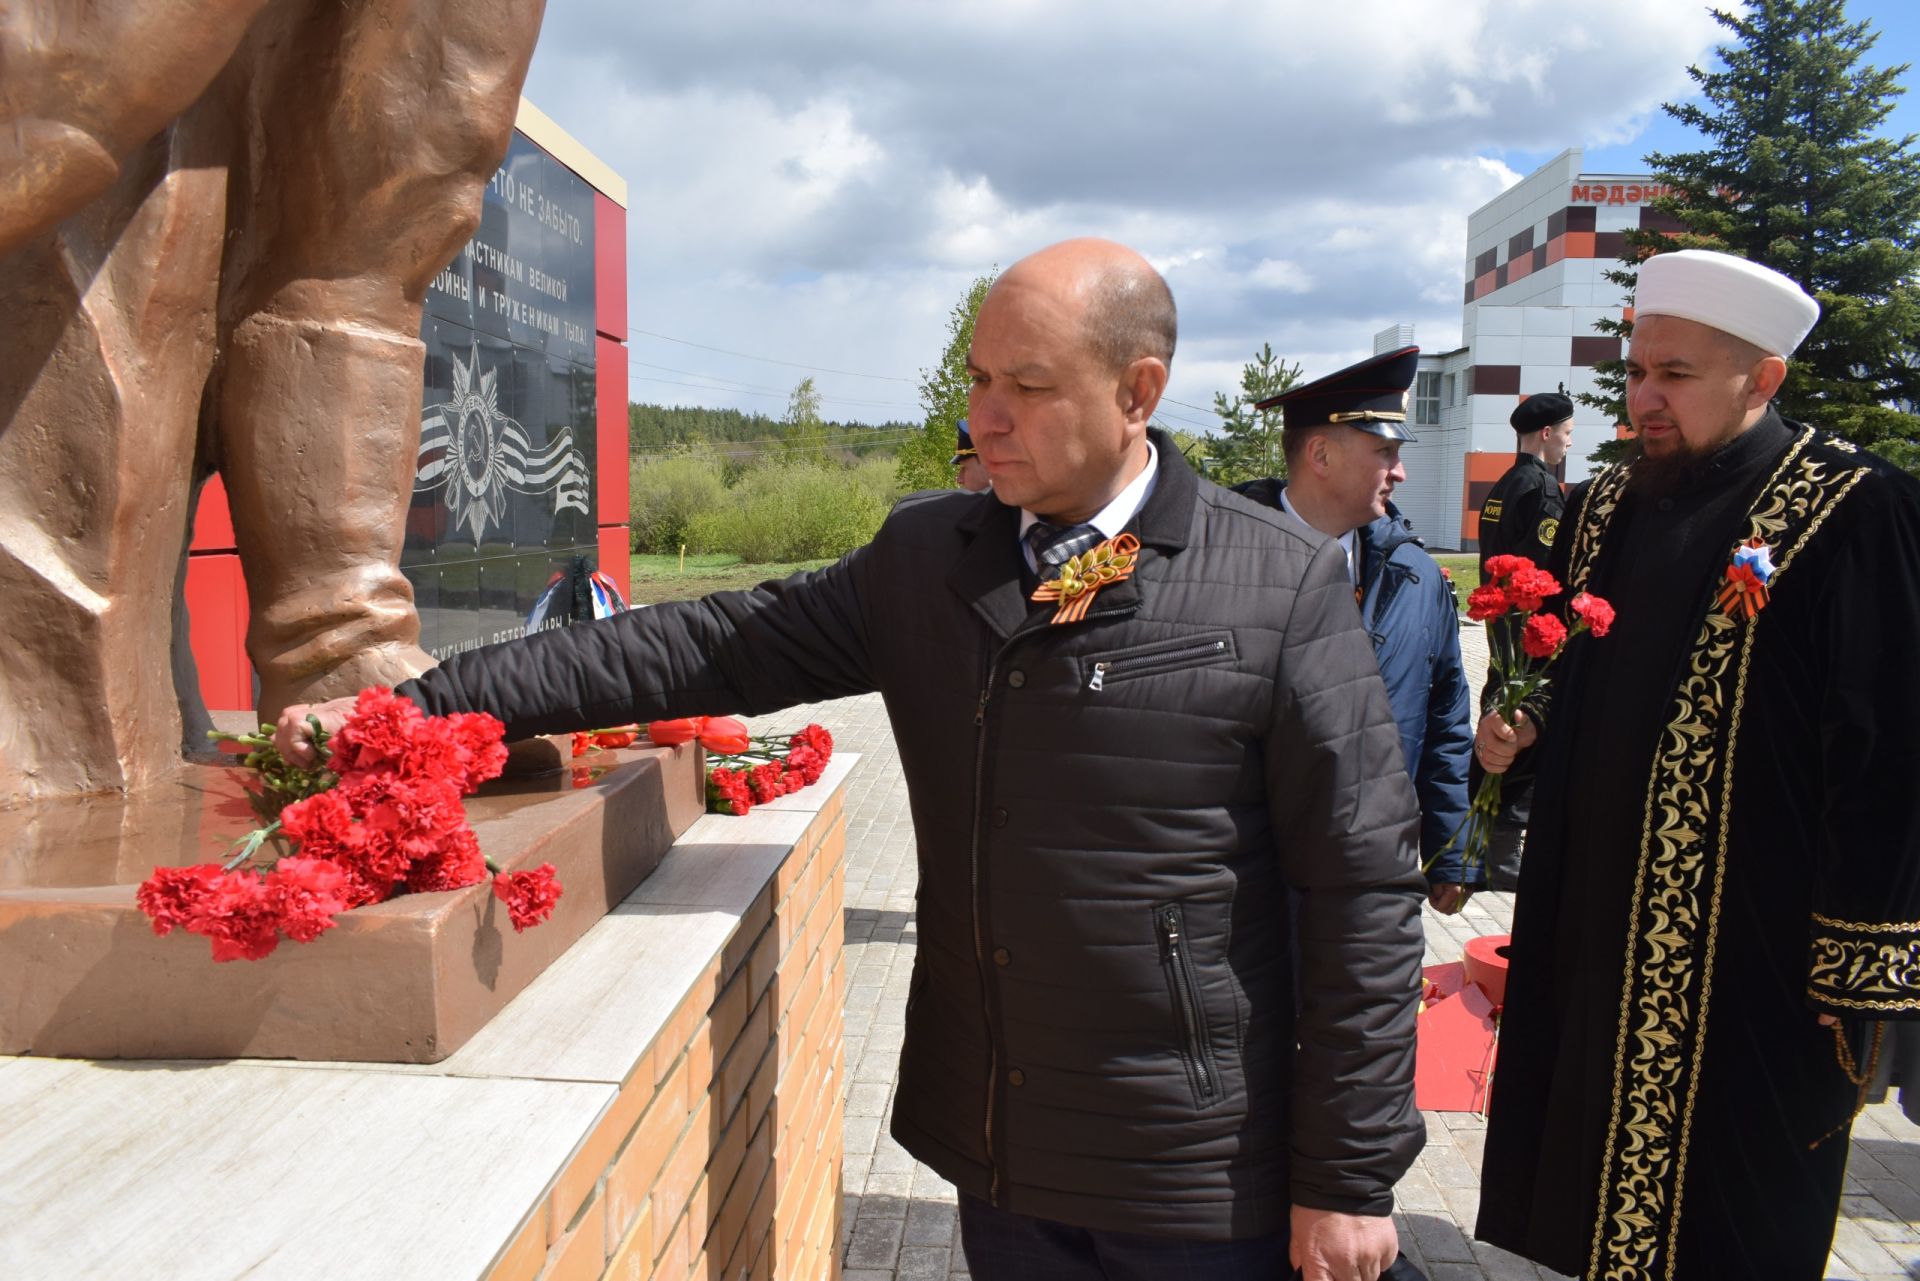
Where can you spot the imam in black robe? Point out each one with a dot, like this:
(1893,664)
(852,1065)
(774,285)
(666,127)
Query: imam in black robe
(1725,844)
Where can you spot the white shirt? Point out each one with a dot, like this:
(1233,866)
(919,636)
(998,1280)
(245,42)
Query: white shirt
(1112,518)
(1346,540)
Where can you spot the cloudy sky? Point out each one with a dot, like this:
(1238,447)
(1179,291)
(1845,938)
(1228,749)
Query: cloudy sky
(816,184)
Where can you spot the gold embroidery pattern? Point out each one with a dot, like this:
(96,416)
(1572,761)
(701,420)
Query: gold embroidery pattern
(1870,973)
(1595,514)
(1668,962)
(1868,927)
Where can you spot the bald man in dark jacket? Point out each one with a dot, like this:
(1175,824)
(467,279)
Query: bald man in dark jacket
(1103,1048)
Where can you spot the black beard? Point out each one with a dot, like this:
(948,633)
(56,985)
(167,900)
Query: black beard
(1663,477)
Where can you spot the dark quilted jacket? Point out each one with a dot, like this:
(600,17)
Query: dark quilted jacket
(1101,1027)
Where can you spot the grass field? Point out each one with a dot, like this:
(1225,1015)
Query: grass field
(658,578)
(1466,573)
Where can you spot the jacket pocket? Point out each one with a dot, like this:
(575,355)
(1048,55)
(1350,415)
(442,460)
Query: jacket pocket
(1190,1014)
(1208,650)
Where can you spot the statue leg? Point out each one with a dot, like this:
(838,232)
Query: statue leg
(110,339)
(86,85)
(376,125)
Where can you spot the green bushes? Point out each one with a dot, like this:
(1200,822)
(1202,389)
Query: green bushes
(775,511)
(668,493)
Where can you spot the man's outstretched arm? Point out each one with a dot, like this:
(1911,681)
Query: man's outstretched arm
(796,641)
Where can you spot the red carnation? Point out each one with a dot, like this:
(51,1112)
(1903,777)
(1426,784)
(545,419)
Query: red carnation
(765,780)
(404,818)
(818,738)
(725,735)
(582,743)
(1543,635)
(457,864)
(529,896)
(806,764)
(1486,602)
(306,894)
(1528,588)
(483,749)
(1499,567)
(378,732)
(671,733)
(727,791)
(615,738)
(240,917)
(174,896)
(1594,612)
(323,827)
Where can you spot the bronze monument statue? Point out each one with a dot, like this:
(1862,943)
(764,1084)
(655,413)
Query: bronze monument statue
(218,221)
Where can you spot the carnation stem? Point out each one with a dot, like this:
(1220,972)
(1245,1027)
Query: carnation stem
(249,845)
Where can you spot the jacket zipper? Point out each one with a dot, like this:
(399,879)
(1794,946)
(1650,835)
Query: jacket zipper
(1168,659)
(979,941)
(1186,995)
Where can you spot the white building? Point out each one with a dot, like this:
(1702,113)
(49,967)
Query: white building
(1534,288)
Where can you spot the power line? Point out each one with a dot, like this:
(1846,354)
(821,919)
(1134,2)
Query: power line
(791,364)
(773,442)
(1184,405)
(694,373)
(727,447)
(777,395)
(1182,418)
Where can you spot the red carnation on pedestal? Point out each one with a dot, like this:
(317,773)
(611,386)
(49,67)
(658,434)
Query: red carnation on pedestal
(755,770)
(529,896)
(380,816)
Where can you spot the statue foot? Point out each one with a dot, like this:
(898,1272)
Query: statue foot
(387,664)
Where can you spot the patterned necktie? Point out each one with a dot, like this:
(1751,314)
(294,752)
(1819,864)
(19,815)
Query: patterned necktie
(1054,545)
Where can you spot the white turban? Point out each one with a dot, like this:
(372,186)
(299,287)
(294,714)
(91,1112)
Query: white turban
(1727,293)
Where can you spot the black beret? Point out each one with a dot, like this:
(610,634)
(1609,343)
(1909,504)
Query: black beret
(1542,409)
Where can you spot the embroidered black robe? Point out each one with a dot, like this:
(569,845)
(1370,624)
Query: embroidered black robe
(1725,844)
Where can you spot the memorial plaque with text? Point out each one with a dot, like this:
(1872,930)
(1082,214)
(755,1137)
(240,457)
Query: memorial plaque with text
(504,496)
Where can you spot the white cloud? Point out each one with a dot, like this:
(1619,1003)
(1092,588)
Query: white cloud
(819,183)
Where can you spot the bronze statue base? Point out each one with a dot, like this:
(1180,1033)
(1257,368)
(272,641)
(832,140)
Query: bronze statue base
(407,981)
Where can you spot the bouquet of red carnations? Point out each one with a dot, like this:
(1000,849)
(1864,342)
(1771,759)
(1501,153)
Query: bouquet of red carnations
(756,769)
(380,815)
(1523,643)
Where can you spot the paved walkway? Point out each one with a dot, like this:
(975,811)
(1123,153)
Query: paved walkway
(900,1220)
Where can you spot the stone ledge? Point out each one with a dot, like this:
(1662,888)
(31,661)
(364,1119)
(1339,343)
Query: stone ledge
(662,1101)
(408,980)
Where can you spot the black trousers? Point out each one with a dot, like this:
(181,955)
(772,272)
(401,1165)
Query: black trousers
(1003,1246)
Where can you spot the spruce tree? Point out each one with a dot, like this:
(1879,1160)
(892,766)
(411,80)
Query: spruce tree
(925,461)
(1248,444)
(1795,176)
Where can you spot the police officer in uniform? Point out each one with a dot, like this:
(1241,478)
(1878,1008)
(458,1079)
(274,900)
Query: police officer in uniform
(1521,517)
(966,464)
(1342,440)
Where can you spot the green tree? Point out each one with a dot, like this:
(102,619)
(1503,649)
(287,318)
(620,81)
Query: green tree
(803,436)
(1796,175)
(1248,443)
(925,460)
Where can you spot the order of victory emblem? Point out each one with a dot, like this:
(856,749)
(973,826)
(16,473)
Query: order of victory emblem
(476,454)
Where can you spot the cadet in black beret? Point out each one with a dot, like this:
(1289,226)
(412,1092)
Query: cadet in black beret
(1521,517)
(971,473)
(1521,513)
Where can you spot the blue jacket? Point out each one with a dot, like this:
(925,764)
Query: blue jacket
(1410,613)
